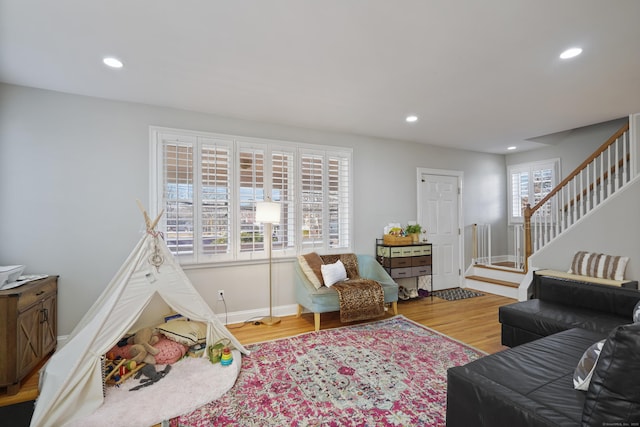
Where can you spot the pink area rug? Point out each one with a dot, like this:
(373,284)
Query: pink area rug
(391,372)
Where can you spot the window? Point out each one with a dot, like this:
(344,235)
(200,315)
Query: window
(208,186)
(529,183)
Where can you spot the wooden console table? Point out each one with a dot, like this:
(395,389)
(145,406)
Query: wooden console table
(28,329)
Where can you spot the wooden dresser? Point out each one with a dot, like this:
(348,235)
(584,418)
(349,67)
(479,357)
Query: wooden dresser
(28,329)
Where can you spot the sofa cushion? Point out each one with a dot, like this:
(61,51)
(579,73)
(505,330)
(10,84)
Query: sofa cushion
(333,273)
(311,265)
(593,296)
(599,265)
(547,318)
(350,262)
(613,397)
(586,366)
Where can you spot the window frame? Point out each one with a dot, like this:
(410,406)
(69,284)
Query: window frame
(530,168)
(291,154)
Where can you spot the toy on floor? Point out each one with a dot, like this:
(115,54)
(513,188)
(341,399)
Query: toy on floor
(152,375)
(215,351)
(116,371)
(227,357)
(142,349)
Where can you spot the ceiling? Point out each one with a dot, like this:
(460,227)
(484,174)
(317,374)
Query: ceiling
(481,75)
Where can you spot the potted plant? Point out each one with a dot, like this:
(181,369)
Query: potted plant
(414,231)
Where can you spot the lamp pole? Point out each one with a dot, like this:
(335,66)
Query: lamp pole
(268,213)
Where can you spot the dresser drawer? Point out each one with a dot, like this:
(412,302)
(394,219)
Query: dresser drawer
(416,251)
(33,294)
(384,251)
(406,251)
(395,252)
(420,261)
(399,273)
(388,251)
(421,271)
(396,262)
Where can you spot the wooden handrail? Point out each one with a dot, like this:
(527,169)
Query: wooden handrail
(529,211)
(583,165)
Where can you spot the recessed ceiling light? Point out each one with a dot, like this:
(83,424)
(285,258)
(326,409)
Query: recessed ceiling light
(513,147)
(570,53)
(112,62)
(411,119)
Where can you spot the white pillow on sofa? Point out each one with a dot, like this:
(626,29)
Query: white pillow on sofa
(586,366)
(333,273)
(599,265)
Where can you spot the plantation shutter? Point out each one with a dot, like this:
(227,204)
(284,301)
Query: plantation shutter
(215,209)
(339,201)
(251,190)
(283,191)
(312,201)
(519,193)
(177,154)
(209,184)
(543,182)
(530,183)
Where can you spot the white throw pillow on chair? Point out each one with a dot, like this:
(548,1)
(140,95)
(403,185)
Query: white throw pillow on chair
(333,273)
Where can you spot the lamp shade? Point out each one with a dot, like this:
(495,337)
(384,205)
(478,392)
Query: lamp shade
(268,212)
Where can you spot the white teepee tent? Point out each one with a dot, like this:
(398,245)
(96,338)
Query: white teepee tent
(71,384)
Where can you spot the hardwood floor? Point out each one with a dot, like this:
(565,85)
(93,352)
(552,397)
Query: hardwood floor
(473,321)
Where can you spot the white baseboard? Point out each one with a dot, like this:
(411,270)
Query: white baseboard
(233,317)
(251,315)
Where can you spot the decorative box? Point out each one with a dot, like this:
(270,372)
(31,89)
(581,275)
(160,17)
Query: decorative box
(391,240)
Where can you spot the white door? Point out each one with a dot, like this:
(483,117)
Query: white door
(440,217)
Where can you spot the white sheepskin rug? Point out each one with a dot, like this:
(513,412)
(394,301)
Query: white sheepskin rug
(191,383)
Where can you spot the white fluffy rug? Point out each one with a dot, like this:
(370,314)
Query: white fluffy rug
(191,383)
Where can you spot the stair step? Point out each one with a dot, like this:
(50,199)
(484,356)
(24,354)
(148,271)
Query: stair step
(494,281)
(498,268)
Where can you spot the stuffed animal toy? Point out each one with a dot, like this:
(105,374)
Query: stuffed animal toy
(142,349)
(152,375)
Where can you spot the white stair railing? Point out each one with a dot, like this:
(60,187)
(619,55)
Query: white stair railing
(590,184)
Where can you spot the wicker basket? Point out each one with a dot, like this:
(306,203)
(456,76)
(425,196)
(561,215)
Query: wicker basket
(390,240)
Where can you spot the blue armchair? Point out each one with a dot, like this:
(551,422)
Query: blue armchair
(325,300)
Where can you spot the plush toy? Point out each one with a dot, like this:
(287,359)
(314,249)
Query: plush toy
(142,349)
(152,375)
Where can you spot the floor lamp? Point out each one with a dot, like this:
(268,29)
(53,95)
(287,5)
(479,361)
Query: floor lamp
(268,213)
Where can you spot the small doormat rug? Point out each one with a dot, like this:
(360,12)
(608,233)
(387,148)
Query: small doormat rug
(391,372)
(456,294)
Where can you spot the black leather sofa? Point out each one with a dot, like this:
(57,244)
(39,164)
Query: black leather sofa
(559,304)
(531,384)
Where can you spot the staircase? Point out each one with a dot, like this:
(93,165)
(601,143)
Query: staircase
(604,173)
(494,279)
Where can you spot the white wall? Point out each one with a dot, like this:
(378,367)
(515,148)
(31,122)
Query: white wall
(72,167)
(571,147)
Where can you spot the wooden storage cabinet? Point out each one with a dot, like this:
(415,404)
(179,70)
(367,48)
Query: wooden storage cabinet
(405,261)
(28,329)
